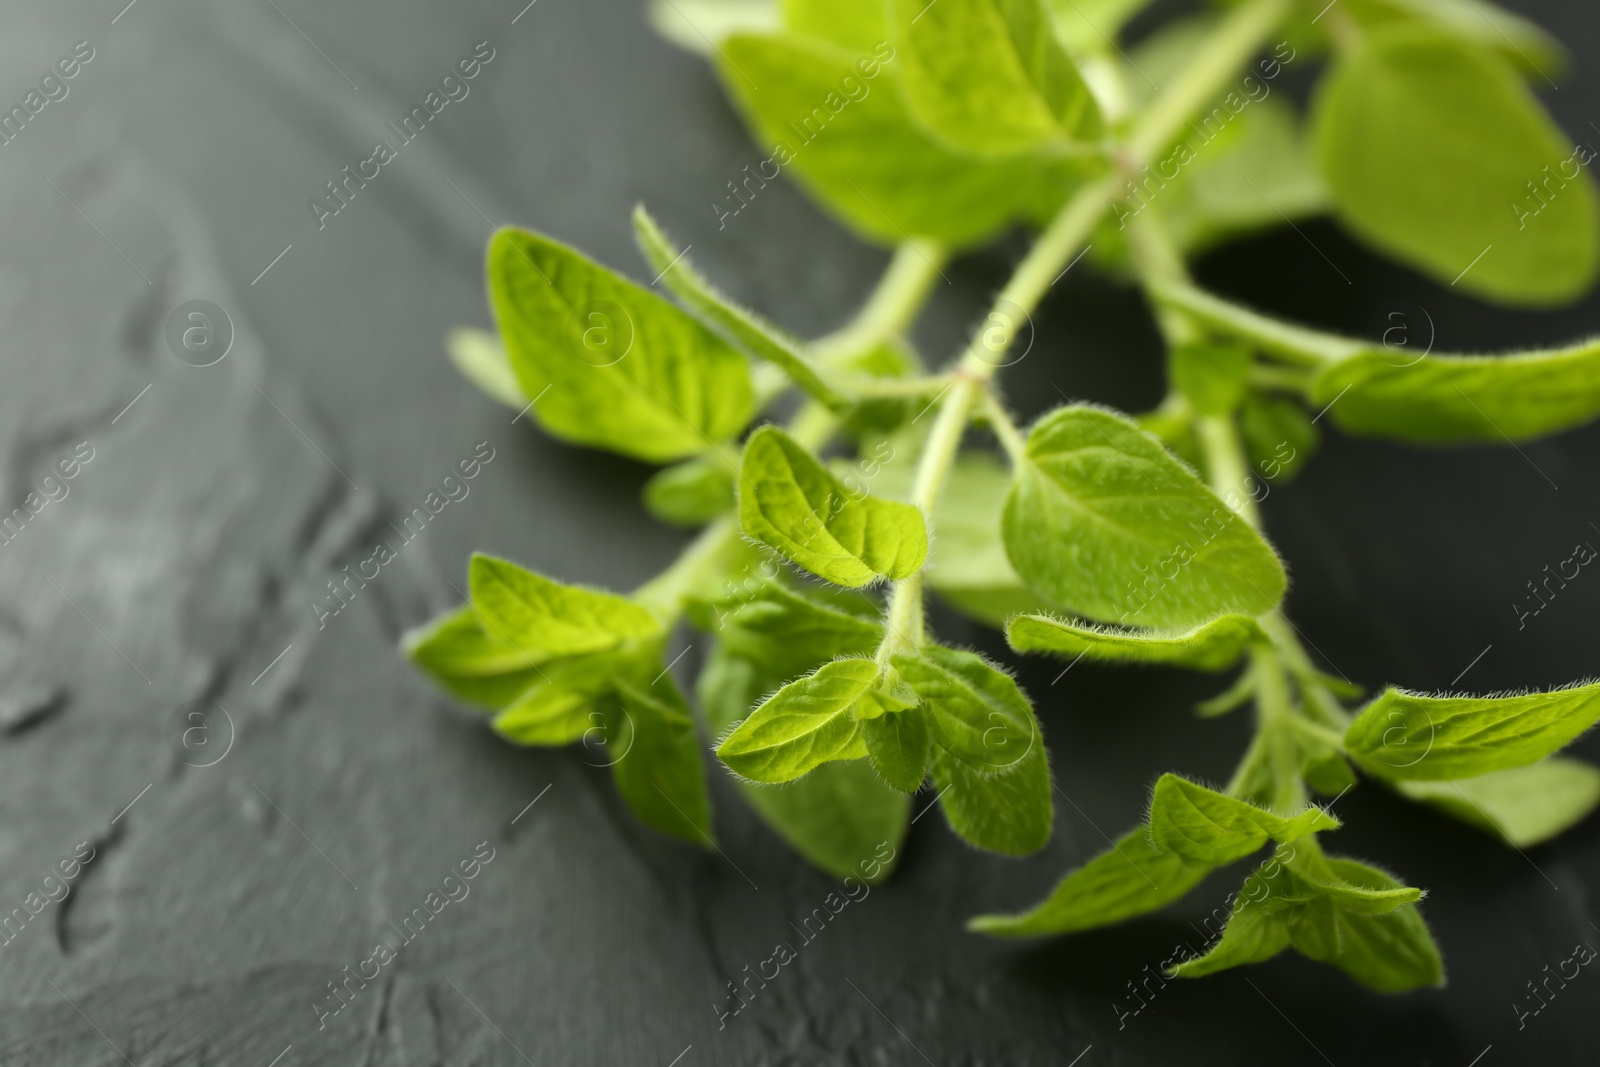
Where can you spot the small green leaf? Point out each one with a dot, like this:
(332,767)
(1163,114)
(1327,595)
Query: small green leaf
(847,23)
(1211,375)
(1010,813)
(1253,934)
(1278,436)
(897,743)
(790,502)
(1433,149)
(565,702)
(481,359)
(624,369)
(469,663)
(744,328)
(1391,952)
(1215,645)
(1132,878)
(1207,827)
(990,76)
(690,493)
(806,723)
(1523,805)
(840,817)
(975,712)
(1102,520)
(545,618)
(657,766)
(835,118)
(789,632)
(1351,886)
(1441,398)
(1407,736)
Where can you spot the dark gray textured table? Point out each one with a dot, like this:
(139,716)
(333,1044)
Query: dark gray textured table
(184,559)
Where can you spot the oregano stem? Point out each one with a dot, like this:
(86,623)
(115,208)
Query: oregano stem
(904,622)
(1005,429)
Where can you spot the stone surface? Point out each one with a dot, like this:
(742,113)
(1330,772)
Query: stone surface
(324,790)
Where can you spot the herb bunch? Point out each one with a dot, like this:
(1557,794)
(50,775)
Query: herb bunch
(934,127)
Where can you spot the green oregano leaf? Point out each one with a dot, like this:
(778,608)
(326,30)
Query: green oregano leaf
(846,23)
(841,816)
(1391,951)
(1102,520)
(566,701)
(744,328)
(1132,878)
(469,662)
(545,618)
(834,118)
(1009,813)
(690,493)
(793,504)
(608,363)
(1212,375)
(1214,645)
(1441,398)
(897,743)
(1253,934)
(1207,827)
(990,76)
(1408,736)
(657,766)
(1523,805)
(1439,155)
(976,714)
(788,631)
(481,359)
(806,723)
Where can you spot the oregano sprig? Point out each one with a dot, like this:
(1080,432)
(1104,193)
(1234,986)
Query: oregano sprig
(1091,534)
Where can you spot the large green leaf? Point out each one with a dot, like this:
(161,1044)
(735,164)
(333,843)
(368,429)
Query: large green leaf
(1207,827)
(1440,398)
(741,326)
(1523,805)
(790,502)
(1215,645)
(568,699)
(836,118)
(1520,42)
(990,76)
(1133,878)
(840,817)
(545,618)
(806,723)
(1408,736)
(608,363)
(1104,521)
(1429,144)
(849,24)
